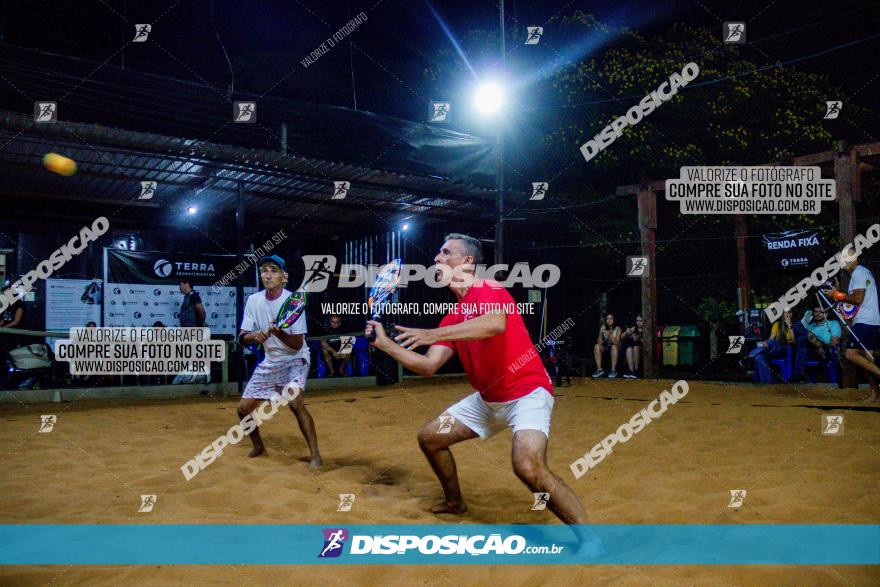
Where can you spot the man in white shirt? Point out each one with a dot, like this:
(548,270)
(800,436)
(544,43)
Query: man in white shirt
(866,324)
(287,356)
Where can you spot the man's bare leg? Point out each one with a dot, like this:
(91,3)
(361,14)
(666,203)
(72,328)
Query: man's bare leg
(435,445)
(328,360)
(872,370)
(529,456)
(245,407)
(307,427)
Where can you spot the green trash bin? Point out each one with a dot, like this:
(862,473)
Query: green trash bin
(670,345)
(688,337)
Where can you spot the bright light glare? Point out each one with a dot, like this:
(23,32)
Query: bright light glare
(192,210)
(405,227)
(489,98)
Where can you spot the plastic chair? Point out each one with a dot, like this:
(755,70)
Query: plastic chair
(361,356)
(830,365)
(785,366)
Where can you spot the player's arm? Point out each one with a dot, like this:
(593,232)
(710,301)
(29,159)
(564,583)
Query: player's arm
(294,341)
(856,297)
(424,365)
(485,326)
(255,337)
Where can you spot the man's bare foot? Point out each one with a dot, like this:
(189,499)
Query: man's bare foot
(256,451)
(316,463)
(444,507)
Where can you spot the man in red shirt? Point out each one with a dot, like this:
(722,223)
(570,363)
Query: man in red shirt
(512,387)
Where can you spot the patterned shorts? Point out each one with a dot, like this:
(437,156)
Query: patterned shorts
(270,378)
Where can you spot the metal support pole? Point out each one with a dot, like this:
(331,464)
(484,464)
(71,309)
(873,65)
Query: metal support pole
(239,282)
(499,152)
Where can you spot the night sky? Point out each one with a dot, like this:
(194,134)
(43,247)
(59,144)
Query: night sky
(266,40)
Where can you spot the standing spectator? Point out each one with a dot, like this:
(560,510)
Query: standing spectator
(775,347)
(331,347)
(608,343)
(192,312)
(631,345)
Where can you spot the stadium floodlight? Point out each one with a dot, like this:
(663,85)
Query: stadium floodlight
(405,226)
(489,98)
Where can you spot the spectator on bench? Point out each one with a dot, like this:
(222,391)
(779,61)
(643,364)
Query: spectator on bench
(823,337)
(631,346)
(775,347)
(330,347)
(608,343)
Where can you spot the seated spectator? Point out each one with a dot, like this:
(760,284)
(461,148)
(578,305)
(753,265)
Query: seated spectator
(13,314)
(631,345)
(775,347)
(10,318)
(822,338)
(608,343)
(334,355)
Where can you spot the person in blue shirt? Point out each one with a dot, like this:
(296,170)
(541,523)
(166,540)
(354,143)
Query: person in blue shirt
(823,334)
(822,337)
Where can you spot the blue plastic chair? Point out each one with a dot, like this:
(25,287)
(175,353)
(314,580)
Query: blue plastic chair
(321,368)
(785,366)
(830,366)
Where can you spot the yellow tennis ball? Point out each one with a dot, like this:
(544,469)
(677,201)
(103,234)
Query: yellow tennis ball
(59,164)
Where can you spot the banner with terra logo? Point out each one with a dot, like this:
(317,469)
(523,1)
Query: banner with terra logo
(793,249)
(142,288)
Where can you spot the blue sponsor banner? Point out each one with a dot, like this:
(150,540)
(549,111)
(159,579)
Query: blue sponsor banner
(206,544)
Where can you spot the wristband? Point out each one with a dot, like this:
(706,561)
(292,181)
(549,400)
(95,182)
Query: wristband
(840,296)
(241,339)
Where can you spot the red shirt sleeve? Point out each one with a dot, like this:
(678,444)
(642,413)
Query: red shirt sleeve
(448,320)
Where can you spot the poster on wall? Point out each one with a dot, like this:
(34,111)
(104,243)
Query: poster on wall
(72,303)
(143,288)
(794,249)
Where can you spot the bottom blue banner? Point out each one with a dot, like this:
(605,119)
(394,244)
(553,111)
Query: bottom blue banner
(647,544)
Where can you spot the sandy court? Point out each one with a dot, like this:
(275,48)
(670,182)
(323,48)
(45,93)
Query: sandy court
(101,456)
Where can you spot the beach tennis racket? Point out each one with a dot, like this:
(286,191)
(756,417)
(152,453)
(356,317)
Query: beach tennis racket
(290,310)
(384,287)
(847,311)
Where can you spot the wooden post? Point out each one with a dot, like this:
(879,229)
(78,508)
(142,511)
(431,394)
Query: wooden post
(648,229)
(847,176)
(744,284)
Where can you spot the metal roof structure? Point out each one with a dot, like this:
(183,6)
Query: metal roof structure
(279,189)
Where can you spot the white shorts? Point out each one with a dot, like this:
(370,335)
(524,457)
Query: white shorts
(530,412)
(270,378)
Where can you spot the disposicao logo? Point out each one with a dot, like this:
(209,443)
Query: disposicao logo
(334,541)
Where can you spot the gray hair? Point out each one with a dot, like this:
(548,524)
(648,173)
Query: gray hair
(472,246)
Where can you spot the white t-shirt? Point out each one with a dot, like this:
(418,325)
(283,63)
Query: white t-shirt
(260,312)
(868,311)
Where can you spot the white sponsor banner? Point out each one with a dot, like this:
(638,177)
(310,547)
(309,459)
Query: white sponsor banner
(72,303)
(130,304)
